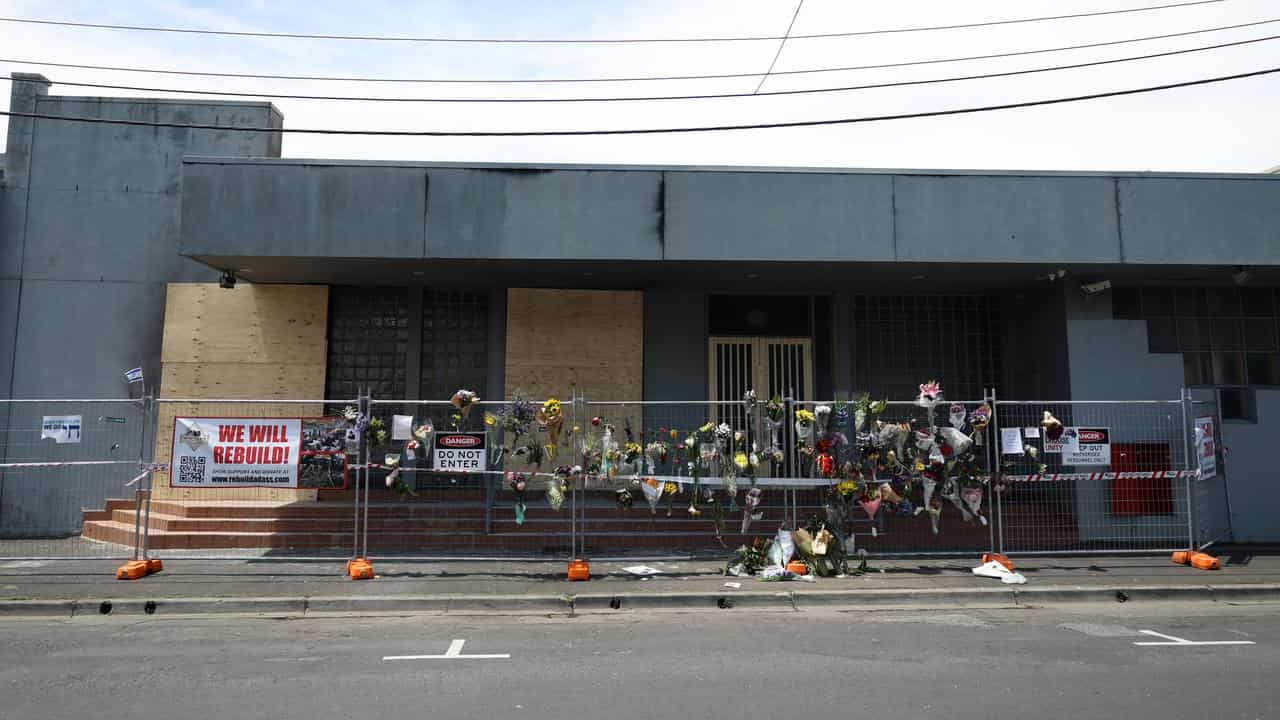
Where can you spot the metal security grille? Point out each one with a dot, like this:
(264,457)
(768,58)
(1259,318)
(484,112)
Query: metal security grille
(455,342)
(368,336)
(901,341)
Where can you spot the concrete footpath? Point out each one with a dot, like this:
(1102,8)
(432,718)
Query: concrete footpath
(297,588)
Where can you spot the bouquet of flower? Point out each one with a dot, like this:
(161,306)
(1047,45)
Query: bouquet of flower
(655,452)
(749,400)
(463,400)
(774,414)
(979,419)
(652,490)
(865,409)
(822,417)
(518,482)
(749,505)
(551,417)
(397,484)
(804,424)
(930,396)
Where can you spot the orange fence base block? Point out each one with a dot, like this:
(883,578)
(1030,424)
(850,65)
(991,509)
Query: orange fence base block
(360,569)
(997,557)
(1182,557)
(579,570)
(1204,561)
(154,565)
(132,570)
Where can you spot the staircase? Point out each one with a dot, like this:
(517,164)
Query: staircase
(453,521)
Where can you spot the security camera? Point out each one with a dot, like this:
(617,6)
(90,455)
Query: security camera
(1094,288)
(228,280)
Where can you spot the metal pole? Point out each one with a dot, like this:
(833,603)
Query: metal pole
(573,489)
(995,454)
(1188,445)
(148,412)
(988,394)
(365,525)
(355,502)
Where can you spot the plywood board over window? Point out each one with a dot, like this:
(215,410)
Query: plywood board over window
(558,340)
(250,342)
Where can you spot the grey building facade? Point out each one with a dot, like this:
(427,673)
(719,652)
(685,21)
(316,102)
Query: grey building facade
(893,276)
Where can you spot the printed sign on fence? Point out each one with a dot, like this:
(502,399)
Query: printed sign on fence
(61,428)
(235,452)
(460,452)
(1206,448)
(1086,446)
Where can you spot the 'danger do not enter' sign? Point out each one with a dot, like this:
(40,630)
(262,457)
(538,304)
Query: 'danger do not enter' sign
(460,452)
(235,452)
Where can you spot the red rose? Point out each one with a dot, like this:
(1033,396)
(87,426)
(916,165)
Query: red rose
(947,451)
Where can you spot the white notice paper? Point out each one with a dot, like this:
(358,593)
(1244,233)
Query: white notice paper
(1031,432)
(1011,441)
(61,428)
(401,427)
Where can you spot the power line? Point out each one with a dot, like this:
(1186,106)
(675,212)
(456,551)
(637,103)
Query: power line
(581,41)
(649,131)
(641,98)
(721,76)
(781,44)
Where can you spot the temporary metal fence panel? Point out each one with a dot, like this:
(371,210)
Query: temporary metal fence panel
(61,464)
(889,511)
(421,508)
(315,519)
(1093,476)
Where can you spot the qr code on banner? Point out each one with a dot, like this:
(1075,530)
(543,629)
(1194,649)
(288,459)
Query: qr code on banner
(191,469)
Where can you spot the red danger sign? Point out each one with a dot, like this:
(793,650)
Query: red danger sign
(460,452)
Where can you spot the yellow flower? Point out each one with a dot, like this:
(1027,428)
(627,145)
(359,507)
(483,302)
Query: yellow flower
(551,408)
(804,417)
(577,429)
(670,488)
(490,420)
(847,487)
(673,433)
(919,466)
(740,460)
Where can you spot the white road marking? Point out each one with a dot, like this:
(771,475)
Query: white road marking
(1099,630)
(1184,641)
(22,564)
(453,653)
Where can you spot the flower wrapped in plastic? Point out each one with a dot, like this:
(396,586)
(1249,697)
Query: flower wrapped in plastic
(951,493)
(652,490)
(957,416)
(930,395)
(749,505)
(622,497)
(782,549)
(979,419)
(555,492)
(870,505)
(774,414)
(749,400)
(552,418)
(655,452)
(935,514)
(463,400)
(893,436)
(1052,426)
(972,497)
(955,440)
(866,409)
(518,482)
(822,417)
(804,424)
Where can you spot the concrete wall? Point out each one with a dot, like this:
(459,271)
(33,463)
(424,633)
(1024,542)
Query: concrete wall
(88,238)
(282,208)
(1250,462)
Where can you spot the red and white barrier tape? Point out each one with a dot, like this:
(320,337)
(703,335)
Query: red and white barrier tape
(1078,477)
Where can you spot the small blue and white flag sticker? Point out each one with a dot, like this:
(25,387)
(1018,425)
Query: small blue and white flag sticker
(134,375)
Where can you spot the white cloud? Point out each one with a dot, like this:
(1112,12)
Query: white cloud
(1226,127)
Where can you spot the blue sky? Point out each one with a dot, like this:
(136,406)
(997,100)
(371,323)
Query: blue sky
(1226,127)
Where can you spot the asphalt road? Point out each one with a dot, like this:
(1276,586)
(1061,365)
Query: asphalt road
(1074,662)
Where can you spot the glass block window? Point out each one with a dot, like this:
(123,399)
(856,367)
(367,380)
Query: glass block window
(1229,337)
(901,341)
(455,342)
(368,338)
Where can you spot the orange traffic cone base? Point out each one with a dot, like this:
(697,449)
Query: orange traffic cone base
(997,557)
